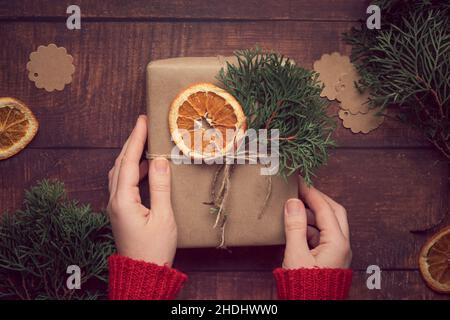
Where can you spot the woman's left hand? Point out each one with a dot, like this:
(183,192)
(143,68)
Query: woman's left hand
(141,233)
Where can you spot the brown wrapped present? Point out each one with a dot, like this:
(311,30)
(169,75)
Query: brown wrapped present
(191,184)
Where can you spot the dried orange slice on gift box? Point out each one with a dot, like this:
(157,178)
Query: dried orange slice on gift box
(18,126)
(434,261)
(205,121)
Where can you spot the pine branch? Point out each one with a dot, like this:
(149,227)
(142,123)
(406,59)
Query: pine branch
(277,94)
(39,242)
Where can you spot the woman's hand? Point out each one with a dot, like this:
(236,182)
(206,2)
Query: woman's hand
(141,233)
(317,236)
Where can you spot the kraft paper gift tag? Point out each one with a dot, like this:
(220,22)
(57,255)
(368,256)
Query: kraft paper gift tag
(350,97)
(50,67)
(361,122)
(330,68)
(191,183)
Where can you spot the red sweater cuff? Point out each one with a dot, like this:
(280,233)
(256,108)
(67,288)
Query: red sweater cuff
(313,284)
(138,280)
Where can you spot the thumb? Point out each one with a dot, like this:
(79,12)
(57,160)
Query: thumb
(295,225)
(159,182)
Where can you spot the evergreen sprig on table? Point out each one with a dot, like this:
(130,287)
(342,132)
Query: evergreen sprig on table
(275,93)
(50,233)
(407,64)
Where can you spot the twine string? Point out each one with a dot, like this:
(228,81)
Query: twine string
(219,197)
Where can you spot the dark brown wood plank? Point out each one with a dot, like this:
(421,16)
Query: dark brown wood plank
(108,91)
(196,9)
(261,286)
(229,285)
(386,192)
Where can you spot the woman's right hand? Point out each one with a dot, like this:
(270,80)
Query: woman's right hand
(317,236)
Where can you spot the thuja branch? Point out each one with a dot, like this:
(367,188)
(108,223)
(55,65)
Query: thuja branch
(275,93)
(407,64)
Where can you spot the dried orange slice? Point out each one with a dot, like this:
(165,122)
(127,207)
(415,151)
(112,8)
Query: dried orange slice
(18,126)
(205,121)
(434,261)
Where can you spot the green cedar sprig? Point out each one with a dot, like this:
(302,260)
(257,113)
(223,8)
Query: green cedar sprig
(275,93)
(407,64)
(39,242)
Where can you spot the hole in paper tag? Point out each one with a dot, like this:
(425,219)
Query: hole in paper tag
(330,67)
(361,122)
(350,97)
(50,67)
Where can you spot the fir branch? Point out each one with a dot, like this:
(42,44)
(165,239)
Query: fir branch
(407,64)
(39,242)
(277,94)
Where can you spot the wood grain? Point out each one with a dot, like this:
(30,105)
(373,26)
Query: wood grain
(331,10)
(100,107)
(261,286)
(383,191)
(390,180)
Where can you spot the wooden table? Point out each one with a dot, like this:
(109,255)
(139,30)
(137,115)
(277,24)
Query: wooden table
(391,180)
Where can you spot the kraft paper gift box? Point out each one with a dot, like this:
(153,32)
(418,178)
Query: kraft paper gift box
(191,183)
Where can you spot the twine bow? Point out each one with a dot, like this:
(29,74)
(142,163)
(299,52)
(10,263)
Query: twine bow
(219,192)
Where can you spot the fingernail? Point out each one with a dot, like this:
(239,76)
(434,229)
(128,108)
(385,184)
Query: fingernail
(292,207)
(161,165)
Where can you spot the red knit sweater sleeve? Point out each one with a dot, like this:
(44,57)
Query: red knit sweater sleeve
(138,280)
(313,284)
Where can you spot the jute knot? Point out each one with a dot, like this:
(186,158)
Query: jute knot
(219,192)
